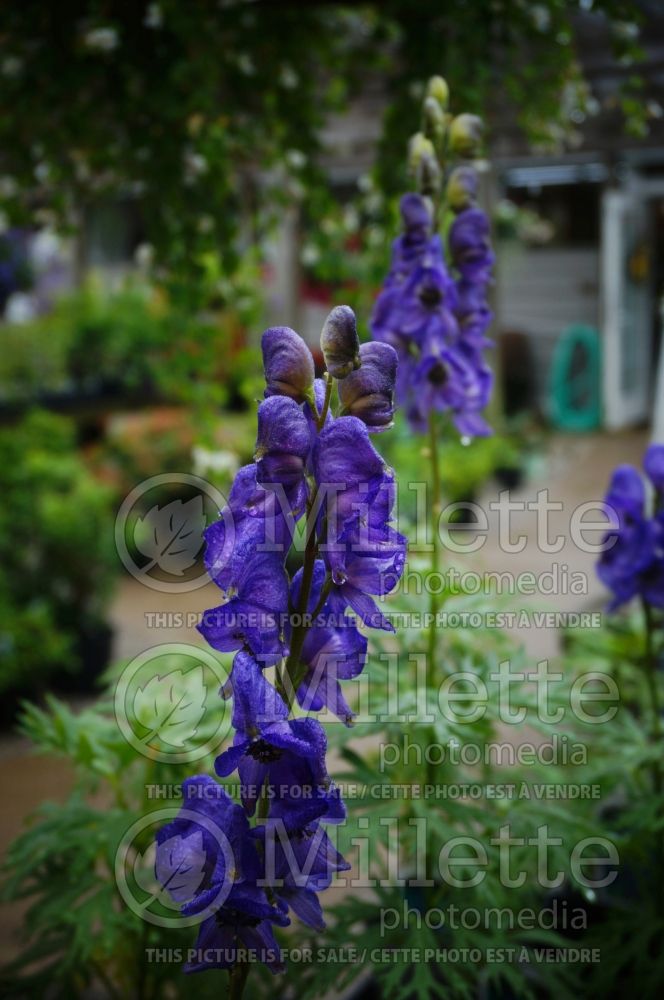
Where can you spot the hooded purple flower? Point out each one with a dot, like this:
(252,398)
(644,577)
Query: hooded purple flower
(469,245)
(282,445)
(333,649)
(253,617)
(212,864)
(632,564)
(288,364)
(369,392)
(257,518)
(300,866)
(287,755)
(364,553)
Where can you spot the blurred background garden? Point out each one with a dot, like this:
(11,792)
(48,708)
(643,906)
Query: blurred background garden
(175,178)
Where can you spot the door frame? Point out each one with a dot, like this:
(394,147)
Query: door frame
(621,411)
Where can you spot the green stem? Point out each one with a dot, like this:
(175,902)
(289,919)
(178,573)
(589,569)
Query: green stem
(435,517)
(237,977)
(291,680)
(320,420)
(656,732)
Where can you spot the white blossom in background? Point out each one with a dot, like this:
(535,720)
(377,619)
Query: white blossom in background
(154,17)
(19,308)
(205,461)
(102,39)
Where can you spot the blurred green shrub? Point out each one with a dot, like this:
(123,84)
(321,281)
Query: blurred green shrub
(133,342)
(57,559)
(63,864)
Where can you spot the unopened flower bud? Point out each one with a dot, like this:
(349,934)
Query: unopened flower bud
(437,88)
(288,364)
(466,135)
(418,147)
(429,176)
(462,188)
(340,343)
(433,121)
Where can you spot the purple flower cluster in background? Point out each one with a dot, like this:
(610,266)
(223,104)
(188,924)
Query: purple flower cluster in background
(435,313)
(323,469)
(633,563)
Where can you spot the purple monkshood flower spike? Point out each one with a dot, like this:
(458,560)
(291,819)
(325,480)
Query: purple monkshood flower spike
(329,471)
(632,563)
(435,321)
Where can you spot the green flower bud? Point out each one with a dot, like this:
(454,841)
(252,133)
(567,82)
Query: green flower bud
(340,343)
(462,188)
(434,121)
(418,147)
(437,88)
(428,176)
(466,135)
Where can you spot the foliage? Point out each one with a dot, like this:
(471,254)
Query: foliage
(57,561)
(203,115)
(63,865)
(633,792)
(131,342)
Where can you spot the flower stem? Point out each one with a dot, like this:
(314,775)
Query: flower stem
(435,517)
(299,632)
(656,731)
(237,977)
(320,420)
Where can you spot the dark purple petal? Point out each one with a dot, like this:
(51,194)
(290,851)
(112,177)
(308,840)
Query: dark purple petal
(288,364)
(368,393)
(626,495)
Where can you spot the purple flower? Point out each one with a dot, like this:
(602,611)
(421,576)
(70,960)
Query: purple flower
(257,518)
(469,245)
(300,866)
(211,864)
(329,469)
(287,755)
(282,444)
(369,392)
(364,553)
(253,617)
(288,364)
(436,325)
(632,564)
(333,649)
